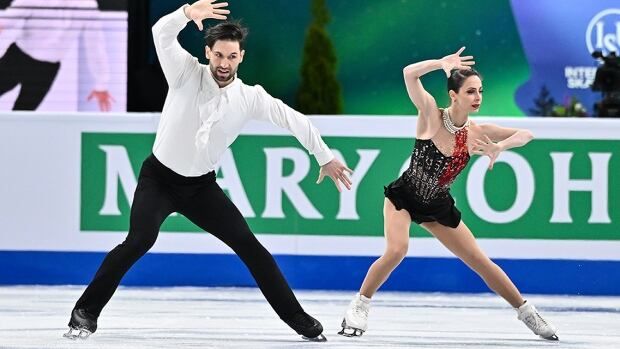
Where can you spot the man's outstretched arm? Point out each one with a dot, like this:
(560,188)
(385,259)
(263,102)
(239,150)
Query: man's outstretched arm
(271,109)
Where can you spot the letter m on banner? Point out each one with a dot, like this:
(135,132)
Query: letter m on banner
(109,170)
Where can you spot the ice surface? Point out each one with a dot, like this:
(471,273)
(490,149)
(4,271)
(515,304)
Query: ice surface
(37,316)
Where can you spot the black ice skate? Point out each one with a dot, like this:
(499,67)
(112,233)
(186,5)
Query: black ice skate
(307,326)
(83,323)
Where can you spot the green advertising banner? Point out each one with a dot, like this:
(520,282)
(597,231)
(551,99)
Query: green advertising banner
(550,189)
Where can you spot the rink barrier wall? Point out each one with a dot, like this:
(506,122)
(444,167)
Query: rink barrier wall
(548,212)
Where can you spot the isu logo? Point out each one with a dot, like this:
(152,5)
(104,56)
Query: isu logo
(603,32)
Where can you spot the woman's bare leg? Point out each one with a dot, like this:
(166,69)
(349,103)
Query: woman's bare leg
(396,230)
(462,243)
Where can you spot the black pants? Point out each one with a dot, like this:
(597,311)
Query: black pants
(36,77)
(161,191)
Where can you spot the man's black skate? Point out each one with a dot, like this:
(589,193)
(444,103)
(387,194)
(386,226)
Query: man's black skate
(308,327)
(83,323)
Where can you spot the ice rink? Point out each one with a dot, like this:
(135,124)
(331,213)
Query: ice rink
(36,317)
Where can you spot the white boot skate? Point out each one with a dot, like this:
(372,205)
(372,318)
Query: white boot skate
(532,319)
(355,320)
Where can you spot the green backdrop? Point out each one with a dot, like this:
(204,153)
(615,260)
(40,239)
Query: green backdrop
(374,40)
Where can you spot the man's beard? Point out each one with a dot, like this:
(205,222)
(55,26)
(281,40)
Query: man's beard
(221,74)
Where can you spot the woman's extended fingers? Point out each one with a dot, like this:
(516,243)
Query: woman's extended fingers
(481,143)
(492,162)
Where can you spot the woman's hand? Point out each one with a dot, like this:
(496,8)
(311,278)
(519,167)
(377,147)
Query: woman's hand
(455,61)
(487,147)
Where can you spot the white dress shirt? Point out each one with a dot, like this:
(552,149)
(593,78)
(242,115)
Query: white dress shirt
(200,120)
(47,29)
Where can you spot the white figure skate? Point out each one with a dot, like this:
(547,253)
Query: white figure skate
(532,319)
(355,320)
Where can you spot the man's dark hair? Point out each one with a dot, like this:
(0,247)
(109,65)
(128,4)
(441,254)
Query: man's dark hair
(229,30)
(458,76)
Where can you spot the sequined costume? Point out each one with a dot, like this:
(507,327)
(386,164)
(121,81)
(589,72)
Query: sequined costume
(424,188)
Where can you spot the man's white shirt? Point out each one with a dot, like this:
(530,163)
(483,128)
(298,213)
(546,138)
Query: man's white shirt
(200,120)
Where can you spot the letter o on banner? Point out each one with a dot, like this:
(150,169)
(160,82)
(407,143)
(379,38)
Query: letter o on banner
(525,188)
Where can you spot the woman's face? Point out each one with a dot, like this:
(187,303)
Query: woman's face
(469,97)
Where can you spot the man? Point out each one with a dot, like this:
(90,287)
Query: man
(205,109)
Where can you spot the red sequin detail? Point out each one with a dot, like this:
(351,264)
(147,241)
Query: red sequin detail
(458,161)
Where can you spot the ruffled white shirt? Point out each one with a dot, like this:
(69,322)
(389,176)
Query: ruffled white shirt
(200,120)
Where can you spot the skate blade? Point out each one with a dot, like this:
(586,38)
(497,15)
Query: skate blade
(82,333)
(349,331)
(553,337)
(319,338)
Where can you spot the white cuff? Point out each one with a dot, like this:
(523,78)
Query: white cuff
(179,15)
(324,157)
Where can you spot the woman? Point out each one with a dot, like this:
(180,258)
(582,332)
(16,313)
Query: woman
(445,138)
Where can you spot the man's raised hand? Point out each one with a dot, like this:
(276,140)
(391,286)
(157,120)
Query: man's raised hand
(204,9)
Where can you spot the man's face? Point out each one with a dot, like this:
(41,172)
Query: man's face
(224,58)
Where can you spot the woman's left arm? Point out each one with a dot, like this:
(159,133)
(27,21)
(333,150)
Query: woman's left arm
(507,137)
(497,139)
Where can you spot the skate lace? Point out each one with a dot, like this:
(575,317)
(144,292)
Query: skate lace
(536,322)
(541,319)
(360,309)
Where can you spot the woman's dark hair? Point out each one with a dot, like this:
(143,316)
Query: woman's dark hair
(458,77)
(230,30)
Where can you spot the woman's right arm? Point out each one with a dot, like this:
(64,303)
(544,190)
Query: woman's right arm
(419,96)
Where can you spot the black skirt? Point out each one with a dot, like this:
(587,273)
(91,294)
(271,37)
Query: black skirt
(441,210)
